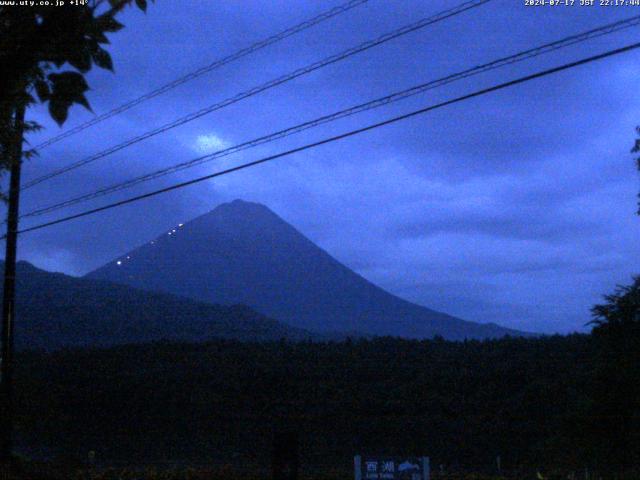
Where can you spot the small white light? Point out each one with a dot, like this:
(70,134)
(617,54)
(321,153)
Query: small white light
(128,257)
(180,224)
(119,262)
(174,230)
(169,233)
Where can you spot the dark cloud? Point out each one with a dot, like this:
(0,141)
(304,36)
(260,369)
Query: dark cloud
(517,207)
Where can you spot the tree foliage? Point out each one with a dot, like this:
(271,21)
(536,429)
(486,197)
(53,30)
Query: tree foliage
(620,312)
(45,52)
(462,403)
(636,149)
(615,409)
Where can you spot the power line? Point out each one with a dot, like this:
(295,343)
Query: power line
(394,97)
(351,133)
(206,69)
(266,86)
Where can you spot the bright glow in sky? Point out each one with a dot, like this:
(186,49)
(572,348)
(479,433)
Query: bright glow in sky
(209,143)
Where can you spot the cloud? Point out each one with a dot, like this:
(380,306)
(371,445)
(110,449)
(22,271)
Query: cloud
(209,143)
(517,207)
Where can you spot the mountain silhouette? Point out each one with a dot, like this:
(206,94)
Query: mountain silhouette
(54,310)
(243,253)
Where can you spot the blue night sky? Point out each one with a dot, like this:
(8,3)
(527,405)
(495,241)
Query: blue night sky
(517,207)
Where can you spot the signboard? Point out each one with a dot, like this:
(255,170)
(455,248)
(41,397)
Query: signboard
(388,468)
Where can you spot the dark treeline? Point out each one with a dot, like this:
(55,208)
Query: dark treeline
(537,403)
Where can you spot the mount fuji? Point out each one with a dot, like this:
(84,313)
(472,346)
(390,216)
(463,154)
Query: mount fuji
(243,253)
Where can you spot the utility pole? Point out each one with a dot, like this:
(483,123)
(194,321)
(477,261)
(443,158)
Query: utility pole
(14,155)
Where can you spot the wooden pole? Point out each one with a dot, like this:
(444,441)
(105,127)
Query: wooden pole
(8,301)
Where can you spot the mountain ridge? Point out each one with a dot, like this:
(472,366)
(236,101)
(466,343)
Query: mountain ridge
(54,310)
(242,252)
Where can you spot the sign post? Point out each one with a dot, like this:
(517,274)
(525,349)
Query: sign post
(391,468)
(357,464)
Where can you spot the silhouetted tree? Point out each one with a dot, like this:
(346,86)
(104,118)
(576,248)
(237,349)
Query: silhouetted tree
(636,149)
(616,392)
(462,403)
(621,311)
(45,52)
